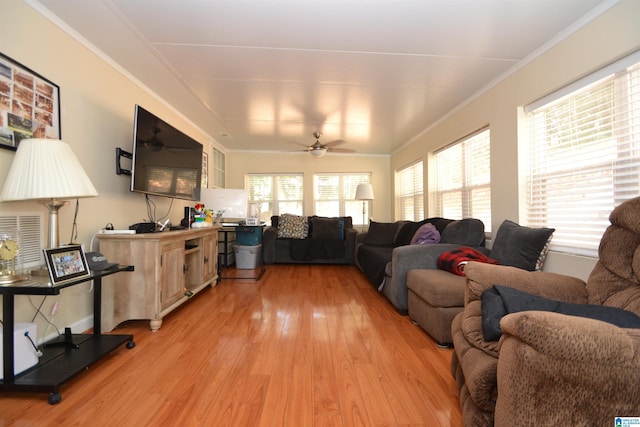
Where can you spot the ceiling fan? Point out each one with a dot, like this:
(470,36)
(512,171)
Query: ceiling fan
(318,150)
(156,144)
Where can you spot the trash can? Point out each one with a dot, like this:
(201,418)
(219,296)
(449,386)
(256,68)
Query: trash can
(248,257)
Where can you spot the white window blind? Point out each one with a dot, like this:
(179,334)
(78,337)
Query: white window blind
(462,187)
(334,195)
(584,153)
(218,168)
(276,194)
(409,193)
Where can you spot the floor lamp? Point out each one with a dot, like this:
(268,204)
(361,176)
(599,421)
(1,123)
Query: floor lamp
(48,171)
(364,192)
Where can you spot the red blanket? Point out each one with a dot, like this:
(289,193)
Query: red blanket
(454,261)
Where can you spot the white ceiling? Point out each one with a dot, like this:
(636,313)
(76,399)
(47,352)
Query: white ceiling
(266,74)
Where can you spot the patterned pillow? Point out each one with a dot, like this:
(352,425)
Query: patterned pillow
(293,227)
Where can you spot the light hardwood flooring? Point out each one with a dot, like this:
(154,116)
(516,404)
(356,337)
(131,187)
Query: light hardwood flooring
(305,346)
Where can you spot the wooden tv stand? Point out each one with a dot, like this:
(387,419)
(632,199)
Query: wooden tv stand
(170,268)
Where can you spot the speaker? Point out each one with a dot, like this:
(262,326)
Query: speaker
(189,214)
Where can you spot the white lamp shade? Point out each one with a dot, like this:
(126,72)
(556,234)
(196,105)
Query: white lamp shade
(45,169)
(364,192)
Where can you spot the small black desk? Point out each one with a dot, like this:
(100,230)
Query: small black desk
(57,364)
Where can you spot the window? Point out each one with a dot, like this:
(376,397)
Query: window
(461,179)
(218,168)
(276,194)
(334,195)
(584,155)
(410,193)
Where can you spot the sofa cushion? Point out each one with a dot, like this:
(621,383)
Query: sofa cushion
(409,228)
(437,287)
(464,232)
(381,233)
(327,228)
(520,246)
(292,227)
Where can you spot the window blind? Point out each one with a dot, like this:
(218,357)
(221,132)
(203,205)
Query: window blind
(584,150)
(462,187)
(276,194)
(409,193)
(334,194)
(218,168)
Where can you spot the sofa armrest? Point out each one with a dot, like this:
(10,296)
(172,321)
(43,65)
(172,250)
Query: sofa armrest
(583,371)
(483,276)
(406,258)
(269,236)
(351,237)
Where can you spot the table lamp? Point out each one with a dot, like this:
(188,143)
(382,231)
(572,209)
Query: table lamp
(48,171)
(364,192)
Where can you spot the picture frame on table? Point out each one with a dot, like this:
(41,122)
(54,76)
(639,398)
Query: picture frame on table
(66,263)
(29,105)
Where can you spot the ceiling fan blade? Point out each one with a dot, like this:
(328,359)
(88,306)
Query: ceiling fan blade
(335,142)
(341,150)
(300,144)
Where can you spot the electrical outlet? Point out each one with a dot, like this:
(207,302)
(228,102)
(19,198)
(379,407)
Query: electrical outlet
(55,308)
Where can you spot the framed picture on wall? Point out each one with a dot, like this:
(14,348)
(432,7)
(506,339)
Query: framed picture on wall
(29,105)
(205,169)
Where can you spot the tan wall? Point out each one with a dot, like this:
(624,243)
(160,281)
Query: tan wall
(97,106)
(612,36)
(97,117)
(239,163)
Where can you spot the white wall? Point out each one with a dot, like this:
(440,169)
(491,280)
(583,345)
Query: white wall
(97,107)
(614,34)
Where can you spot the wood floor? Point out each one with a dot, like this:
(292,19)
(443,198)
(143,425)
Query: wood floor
(305,346)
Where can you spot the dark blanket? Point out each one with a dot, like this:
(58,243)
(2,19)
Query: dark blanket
(502,300)
(373,260)
(310,249)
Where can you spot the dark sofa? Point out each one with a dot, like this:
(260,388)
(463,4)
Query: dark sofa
(385,256)
(324,241)
(374,247)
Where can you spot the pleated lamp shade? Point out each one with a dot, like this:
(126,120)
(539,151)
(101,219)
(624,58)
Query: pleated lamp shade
(45,169)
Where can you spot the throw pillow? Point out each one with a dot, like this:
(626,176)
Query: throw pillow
(427,233)
(381,233)
(325,228)
(520,246)
(292,227)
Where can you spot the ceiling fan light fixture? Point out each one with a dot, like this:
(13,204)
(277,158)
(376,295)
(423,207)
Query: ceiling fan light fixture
(318,151)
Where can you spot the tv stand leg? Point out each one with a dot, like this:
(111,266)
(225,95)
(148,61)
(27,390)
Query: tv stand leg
(155,324)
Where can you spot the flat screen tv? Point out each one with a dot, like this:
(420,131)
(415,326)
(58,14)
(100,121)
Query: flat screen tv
(166,162)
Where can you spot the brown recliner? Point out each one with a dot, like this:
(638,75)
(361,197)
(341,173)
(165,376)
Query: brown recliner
(549,368)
